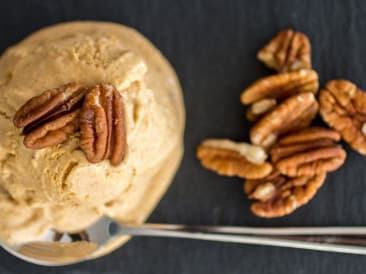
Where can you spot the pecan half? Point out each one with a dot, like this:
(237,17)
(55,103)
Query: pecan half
(234,159)
(277,195)
(308,152)
(294,113)
(49,106)
(51,117)
(102,125)
(280,86)
(289,50)
(54,132)
(343,107)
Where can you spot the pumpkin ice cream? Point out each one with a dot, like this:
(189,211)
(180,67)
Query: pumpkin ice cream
(57,187)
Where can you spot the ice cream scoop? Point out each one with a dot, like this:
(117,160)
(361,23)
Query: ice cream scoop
(57,187)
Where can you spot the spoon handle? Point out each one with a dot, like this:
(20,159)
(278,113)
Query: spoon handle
(350,240)
(286,231)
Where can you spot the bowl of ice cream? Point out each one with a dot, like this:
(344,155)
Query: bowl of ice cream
(57,188)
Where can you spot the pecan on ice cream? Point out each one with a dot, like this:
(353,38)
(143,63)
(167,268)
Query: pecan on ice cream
(51,117)
(53,132)
(102,125)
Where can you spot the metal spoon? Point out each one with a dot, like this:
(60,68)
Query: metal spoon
(351,240)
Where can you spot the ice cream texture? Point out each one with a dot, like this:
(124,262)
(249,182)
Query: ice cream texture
(56,187)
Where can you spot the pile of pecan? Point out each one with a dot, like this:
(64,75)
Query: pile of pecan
(282,107)
(96,112)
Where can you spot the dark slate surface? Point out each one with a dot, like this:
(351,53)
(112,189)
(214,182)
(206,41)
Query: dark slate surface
(212,45)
